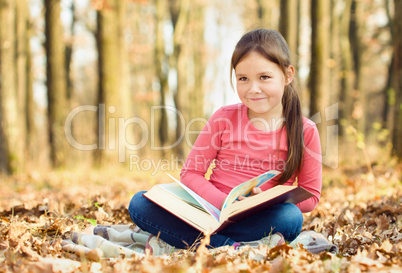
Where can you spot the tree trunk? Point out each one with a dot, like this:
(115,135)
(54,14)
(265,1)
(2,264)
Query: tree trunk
(56,82)
(126,134)
(179,10)
(289,28)
(388,95)
(355,36)
(162,70)
(346,93)
(319,57)
(107,39)
(31,138)
(397,131)
(334,59)
(198,61)
(10,144)
(288,25)
(124,73)
(267,13)
(69,53)
(388,91)
(24,85)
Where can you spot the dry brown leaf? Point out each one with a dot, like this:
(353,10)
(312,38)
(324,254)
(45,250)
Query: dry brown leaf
(382,222)
(16,231)
(279,265)
(386,246)
(95,255)
(53,265)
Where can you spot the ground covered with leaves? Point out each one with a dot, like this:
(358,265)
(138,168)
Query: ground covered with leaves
(359,211)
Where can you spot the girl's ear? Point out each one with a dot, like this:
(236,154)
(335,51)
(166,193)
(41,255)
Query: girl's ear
(290,74)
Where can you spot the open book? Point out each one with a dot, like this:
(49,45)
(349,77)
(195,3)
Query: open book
(194,210)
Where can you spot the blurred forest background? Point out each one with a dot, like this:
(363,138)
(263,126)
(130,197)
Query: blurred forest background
(105,82)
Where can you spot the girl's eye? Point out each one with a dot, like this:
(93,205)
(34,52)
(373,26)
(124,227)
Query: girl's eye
(242,79)
(264,77)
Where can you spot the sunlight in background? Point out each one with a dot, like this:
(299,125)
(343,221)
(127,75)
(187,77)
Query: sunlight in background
(222,34)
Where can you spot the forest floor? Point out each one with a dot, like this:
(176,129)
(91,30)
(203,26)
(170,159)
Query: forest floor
(360,212)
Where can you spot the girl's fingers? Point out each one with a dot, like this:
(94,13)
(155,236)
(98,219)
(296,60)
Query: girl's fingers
(256,190)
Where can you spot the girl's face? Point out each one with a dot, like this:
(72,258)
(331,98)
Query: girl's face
(260,86)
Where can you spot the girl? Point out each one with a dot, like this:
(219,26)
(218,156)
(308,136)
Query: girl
(264,132)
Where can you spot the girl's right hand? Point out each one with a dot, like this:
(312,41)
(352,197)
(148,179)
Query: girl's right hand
(254,191)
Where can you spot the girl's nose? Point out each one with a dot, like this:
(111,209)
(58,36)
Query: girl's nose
(254,88)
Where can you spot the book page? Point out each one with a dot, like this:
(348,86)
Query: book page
(205,204)
(182,194)
(246,187)
(270,197)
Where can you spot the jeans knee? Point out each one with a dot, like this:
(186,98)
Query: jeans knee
(136,204)
(294,214)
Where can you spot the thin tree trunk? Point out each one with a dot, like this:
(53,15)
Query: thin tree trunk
(162,70)
(296,61)
(334,60)
(346,93)
(23,70)
(10,144)
(387,91)
(198,59)
(69,53)
(319,57)
(289,28)
(56,82)
(107,39)
(125,107)
(355,36)
(124,89)
(288,25)
(179,13)
(387,94)
(31,138)
(267,12)
(397,131)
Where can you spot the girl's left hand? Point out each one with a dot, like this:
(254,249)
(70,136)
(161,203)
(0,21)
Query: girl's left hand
(254,191)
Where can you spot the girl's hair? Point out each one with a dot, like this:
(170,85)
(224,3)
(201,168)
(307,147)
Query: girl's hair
(271,45)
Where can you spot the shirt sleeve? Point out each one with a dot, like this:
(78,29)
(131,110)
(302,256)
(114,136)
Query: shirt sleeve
(310,175)
(201,156)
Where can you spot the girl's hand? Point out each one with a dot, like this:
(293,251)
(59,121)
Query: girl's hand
(254,191)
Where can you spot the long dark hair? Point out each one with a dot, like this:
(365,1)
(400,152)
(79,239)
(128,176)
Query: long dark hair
(271,45)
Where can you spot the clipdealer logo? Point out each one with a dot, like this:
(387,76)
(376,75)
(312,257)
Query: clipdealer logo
(120,126)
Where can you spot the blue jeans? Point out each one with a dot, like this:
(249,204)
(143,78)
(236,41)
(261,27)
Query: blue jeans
(284,218)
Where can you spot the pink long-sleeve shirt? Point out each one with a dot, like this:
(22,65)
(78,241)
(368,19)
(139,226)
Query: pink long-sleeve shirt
(240,152)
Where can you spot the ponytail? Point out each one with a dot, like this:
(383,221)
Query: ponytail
(294,133)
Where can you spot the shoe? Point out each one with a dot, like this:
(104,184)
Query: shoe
(158,247)
(271,241)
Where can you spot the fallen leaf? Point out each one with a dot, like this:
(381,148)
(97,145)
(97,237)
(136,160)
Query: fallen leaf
(386,246)
(50,265)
